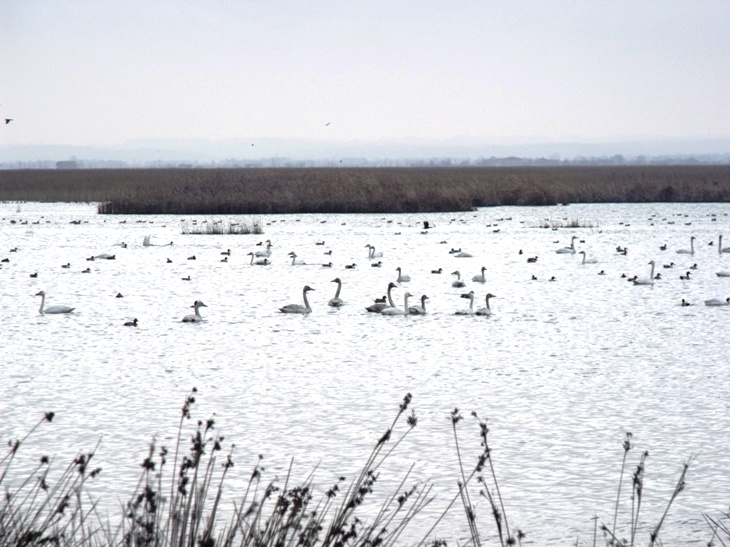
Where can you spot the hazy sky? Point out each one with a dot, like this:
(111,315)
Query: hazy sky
(100,72)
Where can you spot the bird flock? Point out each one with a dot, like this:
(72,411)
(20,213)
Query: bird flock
(412,305)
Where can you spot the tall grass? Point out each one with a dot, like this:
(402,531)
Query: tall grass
(179,499)
(364,190)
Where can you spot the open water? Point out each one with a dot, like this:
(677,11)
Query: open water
(562,370)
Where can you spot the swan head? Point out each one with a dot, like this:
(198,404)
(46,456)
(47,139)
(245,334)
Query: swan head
(456,273)
(652,262)
(490,295)
(41,293)
(336,280)
(293,254)
(392,285)
(198,304)
(307,288)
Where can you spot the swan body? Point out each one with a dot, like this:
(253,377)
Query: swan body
(51,309)
(396,310)
(419,310)
(298,308)
(337,302)
(463,254)
(380,306)
(458,283)
(568,250)
(486,310)
(106,256)
(294,261)
(717,302)
(587,260)
(470,309)
(146,241)
(480,278)
(267,252)
(402,278)
(196,317)
(646,280)
(691,249)
(258,261)
(723,273)
(372,253)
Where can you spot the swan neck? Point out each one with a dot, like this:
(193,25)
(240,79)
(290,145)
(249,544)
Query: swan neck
(390,298)
(306,301)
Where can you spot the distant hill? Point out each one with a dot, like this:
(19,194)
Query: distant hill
(282,152)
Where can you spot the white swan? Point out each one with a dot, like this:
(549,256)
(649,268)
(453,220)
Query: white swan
(402,278)
(646,280)
(568,250)
(51,309)
(298,308)
(419,310)
(294,261)
(470,309)
(720,248)
(480,278)
(266,253)
(258,261)
(396,310)
(146,241)
(380,306)
(458,283)
(372,254)
(689,251)
(336,302)
(487,310)
(587,260)
(196,317)
(717,302)
(106,256)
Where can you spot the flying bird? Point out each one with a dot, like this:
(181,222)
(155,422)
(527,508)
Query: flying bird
(8,120)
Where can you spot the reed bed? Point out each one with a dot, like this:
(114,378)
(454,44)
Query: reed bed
(220,227)
(179,499)
(364,190)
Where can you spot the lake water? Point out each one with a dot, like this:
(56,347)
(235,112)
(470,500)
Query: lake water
(562,370)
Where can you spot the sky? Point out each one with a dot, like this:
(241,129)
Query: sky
(97,72)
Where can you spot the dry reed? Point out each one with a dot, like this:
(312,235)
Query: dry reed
(364,190)
(182,507)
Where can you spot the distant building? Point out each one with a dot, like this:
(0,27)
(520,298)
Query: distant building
(66,165)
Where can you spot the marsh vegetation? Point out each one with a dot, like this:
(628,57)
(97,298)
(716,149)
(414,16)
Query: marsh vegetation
(185,505)
(365,190)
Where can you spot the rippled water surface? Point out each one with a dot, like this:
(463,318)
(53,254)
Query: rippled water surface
(562,370)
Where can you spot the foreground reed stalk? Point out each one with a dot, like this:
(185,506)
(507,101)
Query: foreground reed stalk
(183,508)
